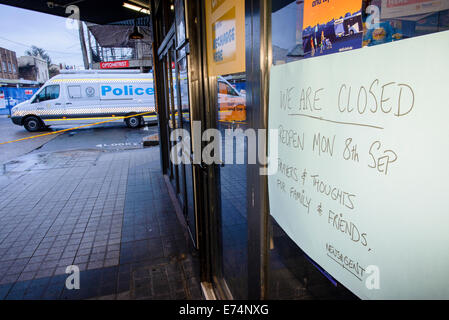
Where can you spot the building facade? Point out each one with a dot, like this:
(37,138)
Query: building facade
(323,219)
(8,64)
(33,68)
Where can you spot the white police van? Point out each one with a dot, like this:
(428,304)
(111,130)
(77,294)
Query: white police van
(90,96)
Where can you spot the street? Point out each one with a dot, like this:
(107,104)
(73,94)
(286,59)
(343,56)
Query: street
(113,136)
(10,132)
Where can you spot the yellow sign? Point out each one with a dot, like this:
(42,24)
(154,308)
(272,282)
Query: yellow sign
(225,20)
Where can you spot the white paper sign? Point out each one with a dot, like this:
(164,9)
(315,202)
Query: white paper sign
(363,179)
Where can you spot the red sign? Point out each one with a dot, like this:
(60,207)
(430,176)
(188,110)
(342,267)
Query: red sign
(29,92)
(114,64)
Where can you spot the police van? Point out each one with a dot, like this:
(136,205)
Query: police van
(90,96)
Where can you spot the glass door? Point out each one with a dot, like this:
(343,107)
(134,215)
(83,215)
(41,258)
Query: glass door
(184,119)
(177,108)
(173,120)
(232,124)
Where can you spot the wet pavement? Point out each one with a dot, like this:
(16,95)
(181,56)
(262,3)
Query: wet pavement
(96,199)
(9,132)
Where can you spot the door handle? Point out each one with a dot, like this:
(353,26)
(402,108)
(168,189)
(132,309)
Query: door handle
(57,104)
(68,103)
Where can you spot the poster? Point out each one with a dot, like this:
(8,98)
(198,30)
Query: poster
(394,8)
(361,182)
(331,26)
(225,20)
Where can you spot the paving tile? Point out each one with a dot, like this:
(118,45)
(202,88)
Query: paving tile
(114,227)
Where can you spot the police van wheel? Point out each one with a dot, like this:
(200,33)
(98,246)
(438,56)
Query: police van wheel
(32,124)
(133,122)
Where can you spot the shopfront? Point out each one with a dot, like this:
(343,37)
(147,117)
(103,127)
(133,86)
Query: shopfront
(305,143)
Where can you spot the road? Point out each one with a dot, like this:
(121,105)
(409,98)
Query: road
(111,136)
(9,132)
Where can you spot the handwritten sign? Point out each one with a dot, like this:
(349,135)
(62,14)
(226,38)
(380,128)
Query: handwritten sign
(363,168)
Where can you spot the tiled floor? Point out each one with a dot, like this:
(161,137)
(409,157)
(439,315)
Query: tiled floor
(109,213)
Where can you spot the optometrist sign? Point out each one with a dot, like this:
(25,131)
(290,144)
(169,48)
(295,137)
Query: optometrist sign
(225,21)
(114,64)
(363,153)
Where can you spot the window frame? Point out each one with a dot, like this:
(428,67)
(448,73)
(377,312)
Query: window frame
(46,95)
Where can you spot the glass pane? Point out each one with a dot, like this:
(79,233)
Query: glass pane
(286,29)
(384,22)
(42,95)
(185,118)
(294,275)
(231,118)
(168,111)
(52,92)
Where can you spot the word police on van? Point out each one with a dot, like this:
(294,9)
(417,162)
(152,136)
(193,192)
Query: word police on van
(123,91)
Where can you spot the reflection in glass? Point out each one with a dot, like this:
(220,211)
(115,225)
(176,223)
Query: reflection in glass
(385,23)
(294,275)
(287,24)
(187,168)
(234,227)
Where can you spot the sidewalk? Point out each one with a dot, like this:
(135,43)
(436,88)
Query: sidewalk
(109,213)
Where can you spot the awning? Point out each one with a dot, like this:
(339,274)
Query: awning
(95,11)
(116,36)
(18,81)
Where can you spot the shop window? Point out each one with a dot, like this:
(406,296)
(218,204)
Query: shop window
(298,33)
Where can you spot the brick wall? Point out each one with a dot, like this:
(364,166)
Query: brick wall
(8,64)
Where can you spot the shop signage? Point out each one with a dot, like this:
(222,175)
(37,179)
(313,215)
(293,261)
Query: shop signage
(225,20)
(114,64)
(362,175)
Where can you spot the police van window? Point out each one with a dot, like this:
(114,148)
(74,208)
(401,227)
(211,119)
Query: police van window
(52,92)
(74,92)
(47,93)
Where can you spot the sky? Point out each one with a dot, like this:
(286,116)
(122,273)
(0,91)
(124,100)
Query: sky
(20,29)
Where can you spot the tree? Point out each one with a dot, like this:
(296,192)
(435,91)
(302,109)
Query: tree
(39,52)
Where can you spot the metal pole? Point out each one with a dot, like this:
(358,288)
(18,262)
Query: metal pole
(83,44)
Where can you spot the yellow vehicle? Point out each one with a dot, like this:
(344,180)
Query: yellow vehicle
(232,104)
